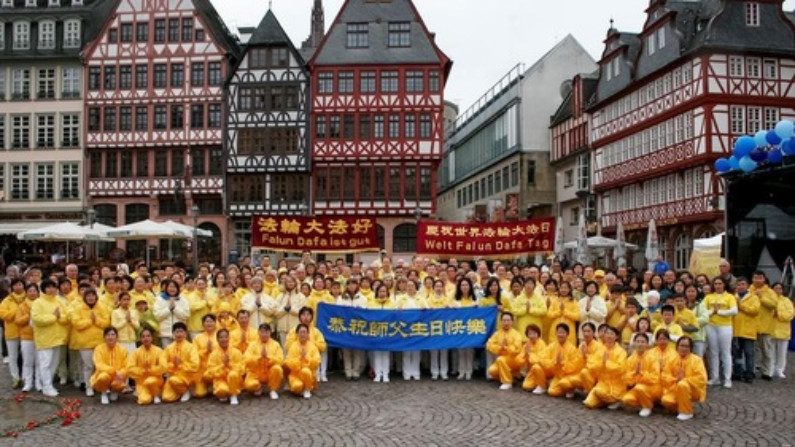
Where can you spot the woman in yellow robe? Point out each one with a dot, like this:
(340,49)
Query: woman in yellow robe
(303,359)
(504,345)
(684,380)
(205,344)
(89,322)
(182,364)
(146,365)
(529,307)
(225,369)
(263,361)
(530,355)
(642,375)
(110,367)
(563,309)
(610,387)
(560,362)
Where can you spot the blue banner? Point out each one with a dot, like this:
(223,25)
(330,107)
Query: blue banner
(406,330)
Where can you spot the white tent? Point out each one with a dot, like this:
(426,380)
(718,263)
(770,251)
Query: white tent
(705,258)
(62,232)
(599,242)
(187,230)
(146,229)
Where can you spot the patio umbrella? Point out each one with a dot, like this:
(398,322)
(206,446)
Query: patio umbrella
(187,230)
(559,248)
(61,232)
(652,245)
(620,250)
(599,242)
(146,229)
(581,255)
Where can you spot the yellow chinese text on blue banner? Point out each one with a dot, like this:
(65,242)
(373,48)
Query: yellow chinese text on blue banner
(406,330)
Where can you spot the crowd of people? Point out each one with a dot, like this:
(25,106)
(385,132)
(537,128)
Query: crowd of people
(614,337)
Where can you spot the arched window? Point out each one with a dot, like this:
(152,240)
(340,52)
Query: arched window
(682,248)
(381,237)
(663,247)
(404,238)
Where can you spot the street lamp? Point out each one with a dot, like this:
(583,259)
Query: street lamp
(195,213)
(417,214)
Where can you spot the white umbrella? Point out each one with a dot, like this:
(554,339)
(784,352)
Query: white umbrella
(652,245)
(146,229)
(620,250)
(62,232)
(582,240)
(559,248)
(187,230)
(599,242)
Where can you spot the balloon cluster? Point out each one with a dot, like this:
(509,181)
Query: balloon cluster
(766,147)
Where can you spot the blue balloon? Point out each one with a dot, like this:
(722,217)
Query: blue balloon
(758,155)
(722,165)
(744,146)
(734,163)
(747,165)
(785,129)
(773,138)
(775,156)
(788,146)
(761,138)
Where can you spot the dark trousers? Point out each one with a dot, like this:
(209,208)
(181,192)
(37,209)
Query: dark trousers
(743,355)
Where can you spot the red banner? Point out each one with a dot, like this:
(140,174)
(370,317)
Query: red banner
(495,240)
(321,234)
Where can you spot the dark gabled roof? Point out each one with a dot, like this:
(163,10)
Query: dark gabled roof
(269,32)
(220,32)
(791,16)
(566,109)
(100,13)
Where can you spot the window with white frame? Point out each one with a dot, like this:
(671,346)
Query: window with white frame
(2,35)
(20,132)
(45,181)
(751,14)
(20,182)
(568,178)
(617,66)
(682,248)
(70,180)
(21,35)
(45,131)
(754,119)
(698,183)
(661,37)
(71,34)
(70,83)
(737,114)
(46,35)
(770,69)
(661,196)
(688,180)
(70,127)
(46,83)
(736,66)
(771,117)
(651,43)
(752,67)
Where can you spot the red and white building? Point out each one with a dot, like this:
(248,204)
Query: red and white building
(377,118)
(671,100)
(155,112)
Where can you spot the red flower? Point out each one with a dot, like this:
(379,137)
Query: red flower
(75,415)
(12,434)
(66,422)
(32,424)
(19,397)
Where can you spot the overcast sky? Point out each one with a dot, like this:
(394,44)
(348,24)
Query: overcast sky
(485,38)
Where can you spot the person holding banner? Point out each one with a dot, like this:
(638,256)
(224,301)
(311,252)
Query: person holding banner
(493,297)
(465,297)
(263,361)
(381,359)
(560,362)
(306,316)
(290,303)
(411,359)
(319,294)
(504,345)
(439,357)
(303,359)
(352,360)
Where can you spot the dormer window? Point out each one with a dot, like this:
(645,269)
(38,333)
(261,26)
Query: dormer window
(54,3)
(77,2)
(46,35)
(8,3)
(399,34)
(21,35)
(751,14)
(358,35)
(617,66)
(651,43)
(71,34)
(661,38)
(2,40)
(30,3)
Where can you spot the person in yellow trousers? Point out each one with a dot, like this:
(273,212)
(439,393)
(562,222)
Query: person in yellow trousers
(530,355)
(561,362)
(126,321)
(146,365)
(303,359)
(8,313)
(89,320)
(642,376)
(563,308)
(610,387)
(50,318)
(745,326)
(205,343)
(592,351)
(110,367)
(225,369)
(263,361)
(763,356)
(529,307)
(182,364)
(684,381)
(504,345)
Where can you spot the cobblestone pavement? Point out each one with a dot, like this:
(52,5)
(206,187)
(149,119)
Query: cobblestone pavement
(426,413)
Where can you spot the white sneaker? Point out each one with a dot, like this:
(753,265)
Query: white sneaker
(27,389)
(114,397)
(185,397)
(684,416)
(569,395)
(50,392)
(6,360)
(104,399)
(435,377)
(386,379)
(780,375)
(89,392)
(377,378)
(233,400)
(726,385)
(157,400)
(713,382)
(539,390)
(323,379)
(506,386)
(274,395)
(307,394)
(64,382)
(76,383)
(614,406)
(645,412)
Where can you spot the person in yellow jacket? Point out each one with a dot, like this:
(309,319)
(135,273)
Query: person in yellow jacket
(674,330)
(319,294)
(270,285)
(465,297)
(110,292)
(26,344)
(610,387)
(616,303)
(380,360)
(439,357)
(684,381)
(126,320)
(530,355)
(303,359)
(306,315)
(290,303)
(560,362)
(722,307)
(71,365)
(227,295)
(410,301)
(8,313)
(629,323)
(528,308)
(263,361)
(146,365)
(642,376)
(504,345)
(140,291)
(110,367)
(200,305)
(781,332)
(768,301)
(662,352)
(243,334)
(50,318)
(745,326)
(205,343)
(225,369)
(592,351)
(182,364)
(563,308)
(89,321)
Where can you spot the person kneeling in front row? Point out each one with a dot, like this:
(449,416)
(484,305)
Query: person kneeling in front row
(504,345)
(264,364)
(684,380)
(225,368)
(182,362)
(146,365)
(303,359)
(110,367)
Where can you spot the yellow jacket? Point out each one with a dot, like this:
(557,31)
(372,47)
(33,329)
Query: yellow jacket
(187,354)
(22,320)
(531,353)
(512,340)
(295,361)
(388,303)
(233,300)
(315,336)
(127,330)
(258,365)
(662,356)
(407,303)
(611,371)
(203,342)
(725,302)
(199,307)
(768,302)
(145,295)
(592,355)
(87,333)
(746,321)
(217,369)
(145,363)
(272,289)
(528,311)
(615,310)
(110,361)
(649,373)
(49,331)
(569,315)
(685,317)
(782,329)
(109,299)
(319,296)
(240,340)
(694,373)
(438,302)
(8,313)
(571,359)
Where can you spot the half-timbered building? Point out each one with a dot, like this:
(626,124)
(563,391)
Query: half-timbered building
(267,170)
(377,117)
(155,111)
(672,99)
